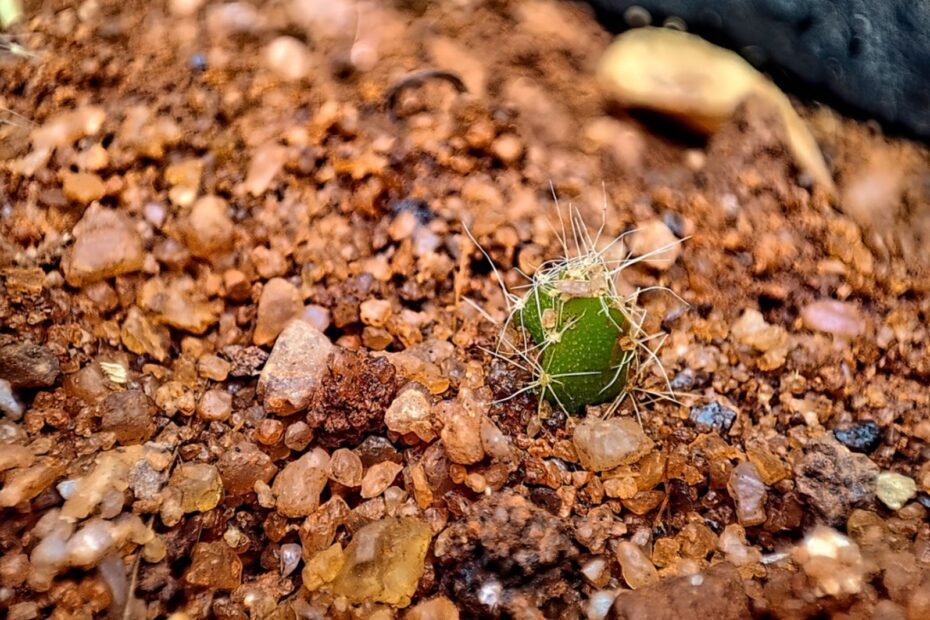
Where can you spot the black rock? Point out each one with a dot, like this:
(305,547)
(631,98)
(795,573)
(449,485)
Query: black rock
(870,55)
(713,416)
(859,436)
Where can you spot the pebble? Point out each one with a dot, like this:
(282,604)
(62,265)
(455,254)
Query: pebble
(712,417)
(862,436)
(439,608)
(299,485)
(106,245)
(297,436)
(834,480)
(208,229)
(25,483)
(318,316)
(267,162)
(832,561)
(130,415)
(287,57)
(242,465)
(507,147)
(295,368)
(323,567)
(461,432)
(215,406)
(749,494)
(605,444)
(279,304)
(199,485)
(751,329)
(375,312)
(657,240)
(214,565)
(9,404)
(410,412)
(834,317)
(384,562)
(717,593)
(894,490)
(635,565)
(379,477)
(14,456)
(27,365)
(213,367)
(185,8)
(142,337)
(345,467)
(83,187)
(733,545)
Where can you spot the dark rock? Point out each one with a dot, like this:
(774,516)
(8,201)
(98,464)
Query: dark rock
(834,480)
(870,55)
(508,557)
(130,415)
(245,361)
(717,593)
(28,365)
(350,403)
(859,436)
(713,416)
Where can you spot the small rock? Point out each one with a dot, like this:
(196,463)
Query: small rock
(185,8)
(733,545)
(834,317)
(773,341)
(713,416)
(637,568)
(439,608)
(323,567)
(213,367)
(832,561)
(25,483)
(130,415)
(461,432)
(507,147)
(298,435)
(384,562)
(28,365)
(345,467)
(295,368)
(834,480)
(9,405)
(288,58)
(83,187)
(318,316)
(379,477)
(717,593)
(267,162)
(279,304)
(748,492)
(298,486)
(214,565)
(208,230)
(605,444)
(106,245)
(242,465)
(894,490)
(143,337)
(655,241)
(375,312)
(411,413)
(859,436)
(199,486)
(215,406)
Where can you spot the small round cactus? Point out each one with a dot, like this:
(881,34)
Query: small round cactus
(583,342)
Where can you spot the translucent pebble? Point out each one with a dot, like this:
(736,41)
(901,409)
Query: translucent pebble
(439,608)
(832,561)
(655,241)
(106,245)
(208,229)
(213,367)
(733,545)
(461,432)
(635,566)
(199,486)
(287,57)
(411,413)
(214,565)
(323,567)
(13,456)
(834,317)
(495,443)
(345,467)
(215,406)
(375,312)
(90,543)
(290,554)
(599,604)
(605,444)
(297,488)
(384,562)
(25,483)
(379,477)
(748,492)
(279,304)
